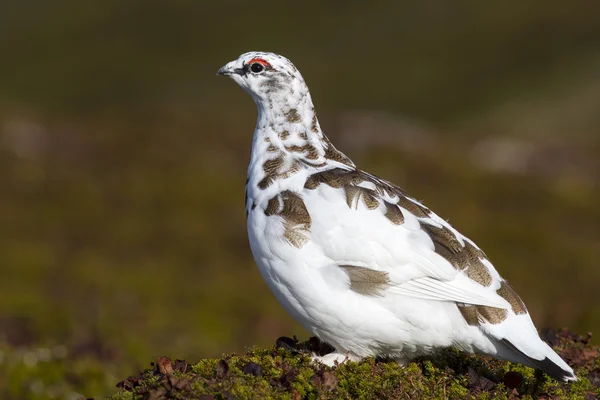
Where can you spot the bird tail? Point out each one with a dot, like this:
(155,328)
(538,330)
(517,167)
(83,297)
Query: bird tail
(517,340)
(551,364)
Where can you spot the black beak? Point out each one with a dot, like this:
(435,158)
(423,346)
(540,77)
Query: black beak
(227,71)
(224,71)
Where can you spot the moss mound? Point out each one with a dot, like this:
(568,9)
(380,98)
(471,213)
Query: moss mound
(285,371)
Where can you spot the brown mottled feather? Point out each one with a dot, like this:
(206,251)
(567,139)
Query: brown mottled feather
(508,293)
(393,213)
(295,216)
(366,281)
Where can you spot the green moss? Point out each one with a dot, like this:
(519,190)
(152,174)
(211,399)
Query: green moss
(275,373)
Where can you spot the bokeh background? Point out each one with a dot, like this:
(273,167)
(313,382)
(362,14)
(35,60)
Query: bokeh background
(123,161)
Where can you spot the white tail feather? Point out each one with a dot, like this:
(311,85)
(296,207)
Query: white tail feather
(517,340)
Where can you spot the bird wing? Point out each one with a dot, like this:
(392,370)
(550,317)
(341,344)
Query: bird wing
(361,221)
(458,291)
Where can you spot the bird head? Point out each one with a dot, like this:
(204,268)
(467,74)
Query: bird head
(267,77)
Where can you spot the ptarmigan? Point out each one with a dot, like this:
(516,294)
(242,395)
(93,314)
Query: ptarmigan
(353,258)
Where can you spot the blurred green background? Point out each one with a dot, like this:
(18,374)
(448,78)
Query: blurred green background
(123,161)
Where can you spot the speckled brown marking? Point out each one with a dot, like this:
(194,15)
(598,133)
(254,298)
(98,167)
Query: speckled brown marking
(344,178)
(272,206)
(385,187)
(294,209)
(492,315)
(366,281)
(341,178)
(474,253)
(444,241)
(474,315)
(296,218)
(312,153)
(508,293)
(284,135)
(292,116)
(478,272)
(295,238)
(303,135)
(469,313)
(393,213)
(271,169)
(312,182)
(416,209)
(336,178)
(352,192)
(391,190)
(275,84)
(331,153)
(293,169)
(271,148)
(467,257)
(355,193)
(313,164)
(314,124)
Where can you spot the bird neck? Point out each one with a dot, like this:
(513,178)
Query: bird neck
(288,146)
(292,112)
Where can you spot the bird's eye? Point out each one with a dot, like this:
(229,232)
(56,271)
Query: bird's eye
(257,67)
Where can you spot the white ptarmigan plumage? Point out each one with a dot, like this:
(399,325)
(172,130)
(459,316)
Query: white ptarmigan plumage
(353,258)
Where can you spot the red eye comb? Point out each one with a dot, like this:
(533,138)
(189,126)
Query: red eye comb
(260,61)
